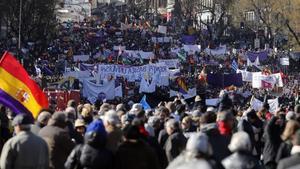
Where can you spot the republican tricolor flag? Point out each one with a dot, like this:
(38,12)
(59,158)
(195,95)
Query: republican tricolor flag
(17,90)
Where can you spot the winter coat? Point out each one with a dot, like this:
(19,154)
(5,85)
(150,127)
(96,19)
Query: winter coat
(135,155)
(284,151)
(86,156)
(292,162)
(114,138)
(59,144)
(218,142)
(175,145)
(25,151)
(272,141)
(241,160)
(246,126)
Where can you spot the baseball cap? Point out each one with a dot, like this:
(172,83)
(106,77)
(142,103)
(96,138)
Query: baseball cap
(22,119)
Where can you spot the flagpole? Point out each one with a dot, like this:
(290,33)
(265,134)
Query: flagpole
(20,24)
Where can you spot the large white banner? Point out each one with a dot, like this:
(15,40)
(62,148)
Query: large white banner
(93,91)
(266,81)
(257,104)
(217,51)
(284,61)
(247,76)
(191,49)
(171,63)
(132,72)
(140,54)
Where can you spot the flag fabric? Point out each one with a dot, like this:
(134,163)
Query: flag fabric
(17,90)
(265,84)
(145,103)
(234,65)
(182,55)
(182,85)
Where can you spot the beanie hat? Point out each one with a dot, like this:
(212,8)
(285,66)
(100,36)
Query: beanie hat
(97,127)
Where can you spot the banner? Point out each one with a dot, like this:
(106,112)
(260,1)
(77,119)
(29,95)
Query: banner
(266,81)
(85,66)
(94,91)
(82,58)
(212,102)
(225,80)
(257,104)
(77,74)
(188,39)
(170,63)
(192,49)
(139,54)
(246,76)
(255,63)
(285,61)
(217,51)
(190,94)
(263,55)
(132,72)
(162,29)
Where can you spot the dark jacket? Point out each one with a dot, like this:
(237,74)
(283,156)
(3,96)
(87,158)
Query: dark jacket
(284,151)
(59,144)
(246,126)
(218,142)
(137,155)
(88,157)
(289,162)
(175,145)
(272,141)
(241,160)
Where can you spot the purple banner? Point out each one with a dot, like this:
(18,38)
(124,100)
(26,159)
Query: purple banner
(188,39)
(263,55)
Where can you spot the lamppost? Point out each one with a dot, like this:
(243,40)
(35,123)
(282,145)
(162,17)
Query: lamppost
(20,24)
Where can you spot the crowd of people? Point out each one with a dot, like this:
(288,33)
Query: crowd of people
(171,136)
(176,133)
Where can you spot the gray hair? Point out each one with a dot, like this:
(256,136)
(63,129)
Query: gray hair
(111,117)
(172,123)
(240,141)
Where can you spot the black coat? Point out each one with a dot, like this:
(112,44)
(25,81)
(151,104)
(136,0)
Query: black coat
(137,155)
(175,145)
(290,162)
(89,157)
(218,142)
(272,141)
(284,151)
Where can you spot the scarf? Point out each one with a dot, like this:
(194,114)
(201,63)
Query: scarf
(224,128)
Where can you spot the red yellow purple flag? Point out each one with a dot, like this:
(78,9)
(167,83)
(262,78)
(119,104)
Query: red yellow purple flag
(17,90)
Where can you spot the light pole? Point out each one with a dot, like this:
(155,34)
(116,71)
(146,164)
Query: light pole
(20,25)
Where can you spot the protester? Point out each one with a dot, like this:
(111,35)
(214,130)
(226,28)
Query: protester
(242,157)
(93,153)
(25,149)
(58,140)
(114,134)
(293,161)
(287,136)
(41,122)
(134,153)
(176,141)
(80,129)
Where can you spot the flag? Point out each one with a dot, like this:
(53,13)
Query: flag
(182,86)
(182,55)
(266,84)
(145,103)
(17,90)
(234,65)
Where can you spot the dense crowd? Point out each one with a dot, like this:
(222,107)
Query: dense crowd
(171,136)
(177,133)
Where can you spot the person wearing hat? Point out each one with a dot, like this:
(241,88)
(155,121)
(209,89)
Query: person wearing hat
(80,130)
(25,149)
(58,139)
(93,153)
